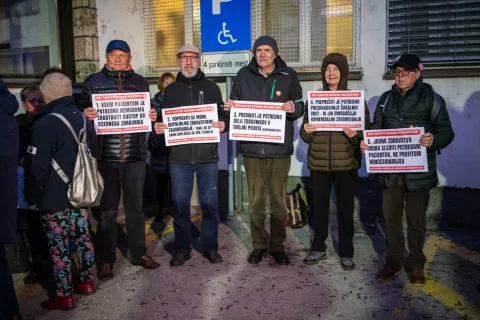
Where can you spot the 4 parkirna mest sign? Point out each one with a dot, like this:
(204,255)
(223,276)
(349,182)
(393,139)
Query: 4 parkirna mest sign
(224,63)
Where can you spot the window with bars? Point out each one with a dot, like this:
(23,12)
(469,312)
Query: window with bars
(305,30)
(445,34)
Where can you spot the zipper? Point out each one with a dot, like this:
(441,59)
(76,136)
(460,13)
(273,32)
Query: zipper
(191,103)
(329,151)
(122,137)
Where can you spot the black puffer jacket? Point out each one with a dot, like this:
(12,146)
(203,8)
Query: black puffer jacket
(413,110)
(159,152)
(186,92)
(250,85)
(128,147)
(8,166)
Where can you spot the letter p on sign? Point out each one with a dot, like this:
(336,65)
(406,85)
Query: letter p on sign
(216,5)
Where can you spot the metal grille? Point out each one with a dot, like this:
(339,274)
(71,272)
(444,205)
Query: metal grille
(443,33)
(168,25)
(305,30)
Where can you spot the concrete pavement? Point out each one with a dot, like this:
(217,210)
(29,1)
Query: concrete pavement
(236,290)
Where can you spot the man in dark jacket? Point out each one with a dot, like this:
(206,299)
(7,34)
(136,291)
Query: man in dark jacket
(122,163)
(411,103)
(192,88)
(8,200)
(267,78)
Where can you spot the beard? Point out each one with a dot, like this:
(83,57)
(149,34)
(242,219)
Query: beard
(189,73)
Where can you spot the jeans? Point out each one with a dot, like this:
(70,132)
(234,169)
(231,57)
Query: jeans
(130,176)
(182,188)
(267,177)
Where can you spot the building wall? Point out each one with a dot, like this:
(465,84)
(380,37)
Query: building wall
(457,165)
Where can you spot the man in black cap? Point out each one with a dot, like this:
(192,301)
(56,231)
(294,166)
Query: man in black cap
(122,163)
(267,78)
(410,103)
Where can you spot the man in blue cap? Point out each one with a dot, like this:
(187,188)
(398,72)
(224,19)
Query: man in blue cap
(122,163)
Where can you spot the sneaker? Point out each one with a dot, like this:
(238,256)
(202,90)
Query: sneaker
(417,278)
(315,256)
(388,273)
(347,263)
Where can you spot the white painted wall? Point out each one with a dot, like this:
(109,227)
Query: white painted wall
(458,165)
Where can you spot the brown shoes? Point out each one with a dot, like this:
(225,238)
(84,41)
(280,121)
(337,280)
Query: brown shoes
(146,261)
(105,271)
(388,273)
(417,278)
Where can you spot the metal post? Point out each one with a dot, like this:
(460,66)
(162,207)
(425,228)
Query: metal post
(231,196)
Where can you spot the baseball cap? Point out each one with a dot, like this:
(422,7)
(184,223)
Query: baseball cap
(118,44)
(188,48)
(409,61)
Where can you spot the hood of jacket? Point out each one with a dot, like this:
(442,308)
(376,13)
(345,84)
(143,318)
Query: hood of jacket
(341,62)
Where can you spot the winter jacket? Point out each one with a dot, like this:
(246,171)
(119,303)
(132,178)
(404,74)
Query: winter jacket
(51,138)
(8,166)
(25,127)
(186,92)
(128,147)
(281,85)
(159,152)
(413,110)
(333,150)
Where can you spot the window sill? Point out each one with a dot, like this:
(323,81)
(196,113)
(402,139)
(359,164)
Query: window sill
(443,73)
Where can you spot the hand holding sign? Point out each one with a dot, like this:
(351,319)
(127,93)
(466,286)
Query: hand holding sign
(219,124)
(90,113)
(350,133)
(152,114)
(228,105)
(363,146)
(160,127)
(289,106)
(309,127)
(426,140)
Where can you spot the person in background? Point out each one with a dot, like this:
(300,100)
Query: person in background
(333,158)
(29,221)
(47,192)
(159,153)
(9,308)
(410,104)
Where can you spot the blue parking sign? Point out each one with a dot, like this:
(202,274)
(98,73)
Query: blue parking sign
(225,25)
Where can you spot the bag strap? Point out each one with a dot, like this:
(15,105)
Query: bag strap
(55,165)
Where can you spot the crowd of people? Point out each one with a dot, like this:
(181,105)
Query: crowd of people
(48,132)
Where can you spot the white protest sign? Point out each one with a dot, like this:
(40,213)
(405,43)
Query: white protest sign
(120,113)
(395,151)
(192,124)
(257,121)
(335,110)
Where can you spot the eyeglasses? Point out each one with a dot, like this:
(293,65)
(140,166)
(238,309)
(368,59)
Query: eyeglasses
(191,58)
(402,73)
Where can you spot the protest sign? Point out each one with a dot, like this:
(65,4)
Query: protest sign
(395,151)
(120,113)
(257,121)
(191,124)
(335,110)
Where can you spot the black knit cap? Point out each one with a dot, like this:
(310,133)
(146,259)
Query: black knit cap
(265,41)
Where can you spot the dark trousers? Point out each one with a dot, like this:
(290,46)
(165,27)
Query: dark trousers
(8,298)
(395,199)
(61,228)
(182,188)
(164,191)
(267,177)
(130,177)
(344,183)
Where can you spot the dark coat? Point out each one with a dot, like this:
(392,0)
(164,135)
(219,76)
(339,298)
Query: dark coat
(51,138)
(333,150)
(250,85)
(25,127)
(8,166)
(159,152)
(413,110)
(186,92)
(129,147)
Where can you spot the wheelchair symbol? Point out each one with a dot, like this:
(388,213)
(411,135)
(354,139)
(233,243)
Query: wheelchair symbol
(225,34)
